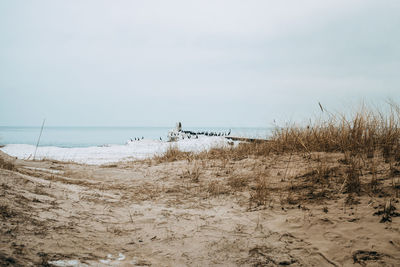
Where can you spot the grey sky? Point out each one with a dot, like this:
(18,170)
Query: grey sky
(205,63)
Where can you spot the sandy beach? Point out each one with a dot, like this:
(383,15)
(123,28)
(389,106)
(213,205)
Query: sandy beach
(199,133)
(198,211)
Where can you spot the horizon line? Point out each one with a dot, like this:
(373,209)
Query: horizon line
(126,126)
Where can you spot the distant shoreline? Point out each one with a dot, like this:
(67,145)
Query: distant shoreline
(98,136)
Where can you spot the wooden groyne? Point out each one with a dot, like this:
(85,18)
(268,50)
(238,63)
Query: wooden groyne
(245,139)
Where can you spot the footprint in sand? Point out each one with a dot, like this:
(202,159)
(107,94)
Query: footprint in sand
(334,237)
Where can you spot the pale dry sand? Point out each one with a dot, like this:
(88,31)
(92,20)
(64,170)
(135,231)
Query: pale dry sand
(186,213)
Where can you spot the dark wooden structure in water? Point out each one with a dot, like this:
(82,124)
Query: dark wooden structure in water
(245,139)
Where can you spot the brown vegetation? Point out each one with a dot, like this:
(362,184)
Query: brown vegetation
(284,201)
(362,142)
(172,154)
(6,164)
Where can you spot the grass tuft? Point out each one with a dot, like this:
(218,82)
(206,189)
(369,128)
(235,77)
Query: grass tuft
(260,195)
(173,154)
(362,132)
(6,164)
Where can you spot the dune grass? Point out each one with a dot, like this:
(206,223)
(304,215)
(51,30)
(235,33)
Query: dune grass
(364,131)
(172,154)
(361,141)
(6,164)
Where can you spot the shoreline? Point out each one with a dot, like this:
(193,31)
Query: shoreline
(89,136)
(97,155)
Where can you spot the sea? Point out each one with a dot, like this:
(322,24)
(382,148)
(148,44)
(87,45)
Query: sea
(71,137)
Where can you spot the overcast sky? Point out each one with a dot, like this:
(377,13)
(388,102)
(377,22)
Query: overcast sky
(205,63)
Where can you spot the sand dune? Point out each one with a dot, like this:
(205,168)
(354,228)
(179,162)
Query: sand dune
(184,213)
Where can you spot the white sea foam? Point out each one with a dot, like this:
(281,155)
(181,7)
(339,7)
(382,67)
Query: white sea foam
(100,155)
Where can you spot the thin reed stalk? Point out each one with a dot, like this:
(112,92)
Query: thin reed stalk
(364,131)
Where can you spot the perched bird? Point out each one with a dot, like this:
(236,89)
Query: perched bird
(160,139)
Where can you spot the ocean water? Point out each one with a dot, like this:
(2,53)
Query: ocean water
(69,137)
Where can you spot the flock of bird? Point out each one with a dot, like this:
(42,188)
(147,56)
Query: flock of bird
(179,134)
(208,133)
(137,139)
(190,134)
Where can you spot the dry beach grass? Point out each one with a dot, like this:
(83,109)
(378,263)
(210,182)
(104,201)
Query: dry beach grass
(321,194)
